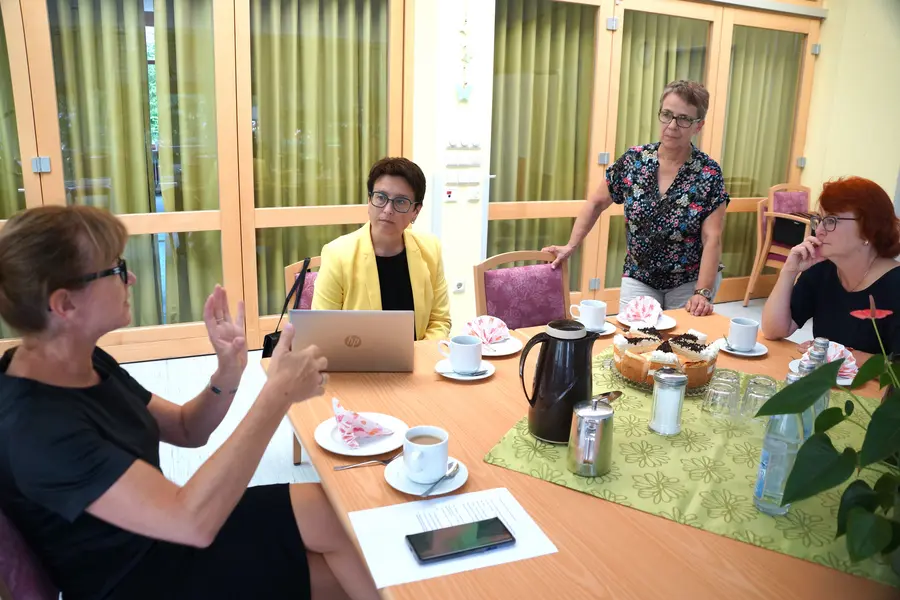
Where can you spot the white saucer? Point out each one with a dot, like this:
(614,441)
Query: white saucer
(758,350)
(607,328)
(395,475)
(794,366)
(507,347)
(328,437)
(443,368)
(663,323)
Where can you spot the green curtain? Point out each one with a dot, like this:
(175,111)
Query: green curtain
(656,49)
(185,85)
(103,88)
(540,134)
(319,86)
(759,125)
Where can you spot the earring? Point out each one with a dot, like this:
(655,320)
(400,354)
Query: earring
(866,243)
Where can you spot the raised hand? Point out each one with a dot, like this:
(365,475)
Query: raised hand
(804,255)
(226,335)
(296,374)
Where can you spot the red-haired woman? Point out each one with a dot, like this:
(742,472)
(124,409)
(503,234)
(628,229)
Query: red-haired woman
(850,257)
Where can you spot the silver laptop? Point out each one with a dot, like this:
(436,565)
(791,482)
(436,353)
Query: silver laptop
(358,340)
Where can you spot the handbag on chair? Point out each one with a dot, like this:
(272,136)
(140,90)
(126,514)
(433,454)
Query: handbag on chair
(271,339)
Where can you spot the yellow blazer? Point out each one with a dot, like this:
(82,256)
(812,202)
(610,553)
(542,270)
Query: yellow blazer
(348,279)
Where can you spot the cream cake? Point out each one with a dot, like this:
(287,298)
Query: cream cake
(639,353)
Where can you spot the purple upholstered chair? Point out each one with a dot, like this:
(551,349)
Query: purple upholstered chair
(291,272)
(789,202)
(522,296)
(20,570)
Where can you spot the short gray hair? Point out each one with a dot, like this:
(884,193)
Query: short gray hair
(691,92)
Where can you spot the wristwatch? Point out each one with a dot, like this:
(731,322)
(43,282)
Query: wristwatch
(705,292)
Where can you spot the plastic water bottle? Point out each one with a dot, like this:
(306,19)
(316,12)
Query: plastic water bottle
(784,436)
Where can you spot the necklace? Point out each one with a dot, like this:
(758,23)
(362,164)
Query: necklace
(859,283)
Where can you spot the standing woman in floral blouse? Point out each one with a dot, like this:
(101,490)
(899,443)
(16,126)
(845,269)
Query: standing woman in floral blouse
(675,201)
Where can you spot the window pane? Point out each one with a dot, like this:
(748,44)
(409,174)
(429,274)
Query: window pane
(543,80)
(279,247)
(656,50)
(319,79)
(615,253)
(762,102)
(509,235)
(175,272)
(12,192)
(136,91)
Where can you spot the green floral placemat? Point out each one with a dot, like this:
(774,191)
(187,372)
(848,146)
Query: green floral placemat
(702,477)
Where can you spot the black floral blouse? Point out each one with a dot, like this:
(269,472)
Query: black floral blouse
(663,233)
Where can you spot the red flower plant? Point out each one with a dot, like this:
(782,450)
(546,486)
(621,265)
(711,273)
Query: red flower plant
(872,313)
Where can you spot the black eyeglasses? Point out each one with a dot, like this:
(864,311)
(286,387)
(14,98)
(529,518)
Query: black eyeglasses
(683,121)
(401,204)
(830,222)
(121,269)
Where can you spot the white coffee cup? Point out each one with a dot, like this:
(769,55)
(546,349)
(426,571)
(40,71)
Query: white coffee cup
(464,352)
(426,462)
(591,313)
(742,334)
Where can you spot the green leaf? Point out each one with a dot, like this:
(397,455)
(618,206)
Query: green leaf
(885,380)
(883,433)
(828,418)
(849,407)
(895,538)
(872,369)
(800,395)
(818,467)
(867,534)
(857,493)
(886,488)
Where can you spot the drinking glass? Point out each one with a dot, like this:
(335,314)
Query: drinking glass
(721,398)
(759,389)
(727,376)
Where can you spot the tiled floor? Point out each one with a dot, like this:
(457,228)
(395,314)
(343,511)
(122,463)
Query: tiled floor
(181,379)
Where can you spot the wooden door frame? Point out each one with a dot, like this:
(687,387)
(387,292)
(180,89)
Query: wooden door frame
(160,341)
(252,219)
(549,209)
(718,73)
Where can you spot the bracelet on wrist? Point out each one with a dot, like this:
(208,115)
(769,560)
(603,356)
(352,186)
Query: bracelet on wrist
(218,391)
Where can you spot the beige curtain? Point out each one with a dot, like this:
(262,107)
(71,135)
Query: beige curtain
(319,85)
(759,125)
(11,199)
(185,68)
(656,49)
(540,133)
(101,64)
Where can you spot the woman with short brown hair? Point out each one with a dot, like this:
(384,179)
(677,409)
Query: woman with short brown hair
(79,440)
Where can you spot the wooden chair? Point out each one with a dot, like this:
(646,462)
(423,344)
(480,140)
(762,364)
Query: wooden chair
(785,201)
(522,296)
(309,284)
(291,272)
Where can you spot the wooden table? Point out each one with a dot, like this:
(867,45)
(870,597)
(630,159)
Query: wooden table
(605,550)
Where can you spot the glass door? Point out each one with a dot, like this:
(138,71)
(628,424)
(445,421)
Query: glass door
(137,118)
(320,100)
(658,41)
(761,133)
(549,102)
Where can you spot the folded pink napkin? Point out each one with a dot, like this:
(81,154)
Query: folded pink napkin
(488,329)
(354,427)
(836,351)
(643,309)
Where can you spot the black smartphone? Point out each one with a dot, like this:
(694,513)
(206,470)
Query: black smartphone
(459,540)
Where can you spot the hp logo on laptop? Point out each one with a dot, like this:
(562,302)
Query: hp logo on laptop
(353,341)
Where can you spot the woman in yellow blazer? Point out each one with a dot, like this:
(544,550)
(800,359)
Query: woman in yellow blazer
(385,265)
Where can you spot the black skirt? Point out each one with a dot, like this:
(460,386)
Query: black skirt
(257,554)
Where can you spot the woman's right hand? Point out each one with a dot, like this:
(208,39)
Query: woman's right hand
(561,253)
(296,375)
(804,255)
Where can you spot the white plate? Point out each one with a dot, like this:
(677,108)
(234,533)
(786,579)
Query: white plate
(395,475)
(794,366)
(607,328)
(328,437)
(665,322)
(443,368)
(507,347)
(758,350)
